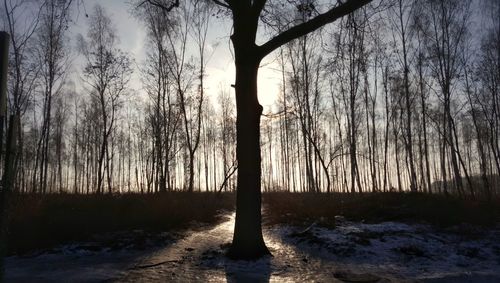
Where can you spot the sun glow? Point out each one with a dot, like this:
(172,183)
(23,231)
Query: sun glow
(269,82)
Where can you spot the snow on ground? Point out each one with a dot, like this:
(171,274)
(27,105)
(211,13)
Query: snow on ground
(351,252)
(412,252)
(106,258)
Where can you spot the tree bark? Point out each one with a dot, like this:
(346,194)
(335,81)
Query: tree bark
(248,242)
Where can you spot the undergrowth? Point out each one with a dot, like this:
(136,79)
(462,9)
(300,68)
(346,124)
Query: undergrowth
(42,221)
(299,208)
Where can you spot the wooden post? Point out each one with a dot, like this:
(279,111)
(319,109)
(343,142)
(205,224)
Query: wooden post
(9,175)
(4,62)
(10,152)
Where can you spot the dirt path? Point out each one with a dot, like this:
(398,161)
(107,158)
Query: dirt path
(352,252)
(200,258)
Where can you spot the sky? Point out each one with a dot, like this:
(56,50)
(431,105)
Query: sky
(220,67)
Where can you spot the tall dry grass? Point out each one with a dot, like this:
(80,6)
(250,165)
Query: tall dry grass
(42,221)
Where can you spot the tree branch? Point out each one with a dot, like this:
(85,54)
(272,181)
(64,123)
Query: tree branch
(230,173)
(258,5)
(311,25)
(160,4)
(222,4)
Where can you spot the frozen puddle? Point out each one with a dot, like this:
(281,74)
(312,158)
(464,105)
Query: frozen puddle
(352,252)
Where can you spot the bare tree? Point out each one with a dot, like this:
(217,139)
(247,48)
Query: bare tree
(421,74)
(247,240)
(107,72)
(228,137)
(23,71)
(51,56)
(350,64)
(403,36)
(448,30)
(157,79)
(488,74)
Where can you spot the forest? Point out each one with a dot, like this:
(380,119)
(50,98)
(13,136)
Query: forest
(386,101)
(390,98)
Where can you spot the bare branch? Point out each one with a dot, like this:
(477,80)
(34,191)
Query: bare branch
(311,25)
(160,4)
(222,4)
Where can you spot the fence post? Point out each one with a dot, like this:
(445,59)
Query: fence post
(10,150)
(4,62)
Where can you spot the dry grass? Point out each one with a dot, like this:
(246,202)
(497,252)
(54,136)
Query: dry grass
(42,221)
(303,208)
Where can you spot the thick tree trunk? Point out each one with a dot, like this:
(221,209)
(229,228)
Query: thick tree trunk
(248,242)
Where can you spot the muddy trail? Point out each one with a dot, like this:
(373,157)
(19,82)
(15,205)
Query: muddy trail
(351,252)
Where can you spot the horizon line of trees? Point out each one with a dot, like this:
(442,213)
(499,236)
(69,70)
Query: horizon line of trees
(397,96)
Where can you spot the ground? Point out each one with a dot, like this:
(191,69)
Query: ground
(346,252)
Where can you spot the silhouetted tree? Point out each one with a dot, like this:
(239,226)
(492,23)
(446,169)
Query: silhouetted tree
(23,74)
(51,56)
(107,72)
(247,240)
